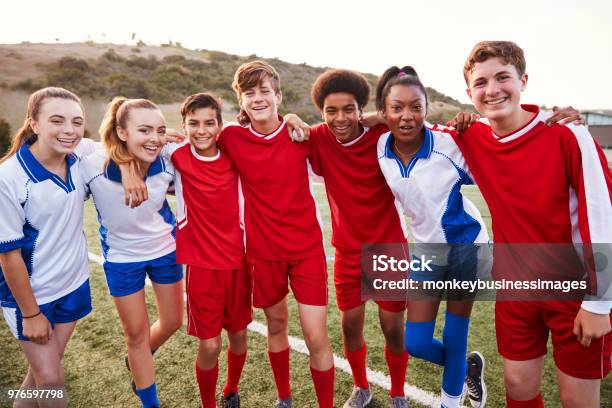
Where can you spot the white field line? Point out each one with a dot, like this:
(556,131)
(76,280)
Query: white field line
(374,377)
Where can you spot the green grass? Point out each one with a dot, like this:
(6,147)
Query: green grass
(96,375)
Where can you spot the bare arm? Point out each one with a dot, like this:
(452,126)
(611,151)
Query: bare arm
(371,119)
(36,328)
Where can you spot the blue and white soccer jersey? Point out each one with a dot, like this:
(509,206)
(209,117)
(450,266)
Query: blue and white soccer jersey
(42,215)
(135,241)
(429,191)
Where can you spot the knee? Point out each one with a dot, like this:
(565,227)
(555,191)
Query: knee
(238,341)
(316,341)
(210,348)
(521,385)
(417,346)
(49,375)
(394,338)
(173,324)
(137,338)
(277,324)
(573,399)
(351,330)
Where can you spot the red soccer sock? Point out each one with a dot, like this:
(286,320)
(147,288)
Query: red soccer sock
(235,364)
(357,361)
(534,403)
(207,382)
(280,368)
(324,386)
(397,363)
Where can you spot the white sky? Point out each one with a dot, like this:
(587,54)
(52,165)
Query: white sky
(568,44)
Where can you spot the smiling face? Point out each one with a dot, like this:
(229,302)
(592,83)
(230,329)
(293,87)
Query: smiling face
(341,114)
(495,89)
(261,103)
(60,125)
(144,134)
(202,128)
(405,110)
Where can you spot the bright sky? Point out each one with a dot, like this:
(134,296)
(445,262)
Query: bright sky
(567,43)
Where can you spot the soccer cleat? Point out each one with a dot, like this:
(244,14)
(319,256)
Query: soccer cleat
(398,402)
(286,403)
(476,387)
(132,383)
(360,398)
(231,401)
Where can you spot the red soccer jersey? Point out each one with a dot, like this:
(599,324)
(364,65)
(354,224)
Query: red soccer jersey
(280,213)
(543,185)
(362,205)
(209,233)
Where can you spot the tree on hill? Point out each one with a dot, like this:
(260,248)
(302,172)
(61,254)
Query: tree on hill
(5,136)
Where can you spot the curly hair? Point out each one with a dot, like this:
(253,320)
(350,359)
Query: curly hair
(340,80)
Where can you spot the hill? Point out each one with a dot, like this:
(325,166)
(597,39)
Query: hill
(164,74)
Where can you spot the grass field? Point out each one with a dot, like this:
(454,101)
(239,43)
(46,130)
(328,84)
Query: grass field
(96,375)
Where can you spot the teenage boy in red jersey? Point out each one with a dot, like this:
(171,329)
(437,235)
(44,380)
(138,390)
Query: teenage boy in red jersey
(284,241)
(543,184)
(363,211)
(210,241)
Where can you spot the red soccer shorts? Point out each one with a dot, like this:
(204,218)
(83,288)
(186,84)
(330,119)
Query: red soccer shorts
(347,280)
(217,299)
(271,280)
(522,333)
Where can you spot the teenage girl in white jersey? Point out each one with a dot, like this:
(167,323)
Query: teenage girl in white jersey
(44,277)
(137,242)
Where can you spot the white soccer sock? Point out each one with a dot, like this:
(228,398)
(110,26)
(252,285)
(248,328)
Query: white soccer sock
(449,401)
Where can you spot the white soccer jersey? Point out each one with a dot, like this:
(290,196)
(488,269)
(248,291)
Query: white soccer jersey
(43,215)
(131,234)
(429,190)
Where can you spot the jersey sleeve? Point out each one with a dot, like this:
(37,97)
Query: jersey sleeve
(380,153)
(86,147)
(314,151)
(13,216)
(591,181)
(222,140)
(169,149)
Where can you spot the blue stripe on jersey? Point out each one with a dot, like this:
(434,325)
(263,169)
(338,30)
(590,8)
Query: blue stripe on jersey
(27,250)
(8,246)
(114,173)
(27,245)
(19,320)
(459,227)
(103,233)
(168,216)
(37,172)
(423,153)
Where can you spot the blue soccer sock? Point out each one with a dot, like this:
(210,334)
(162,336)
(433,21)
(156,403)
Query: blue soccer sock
(454,337)
(420,342)
(148,396)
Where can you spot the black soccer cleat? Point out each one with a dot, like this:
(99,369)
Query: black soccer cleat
(231,401)
(476,387)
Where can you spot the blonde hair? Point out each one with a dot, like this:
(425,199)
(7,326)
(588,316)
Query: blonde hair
(250,75)
(26,134)
(117,114)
